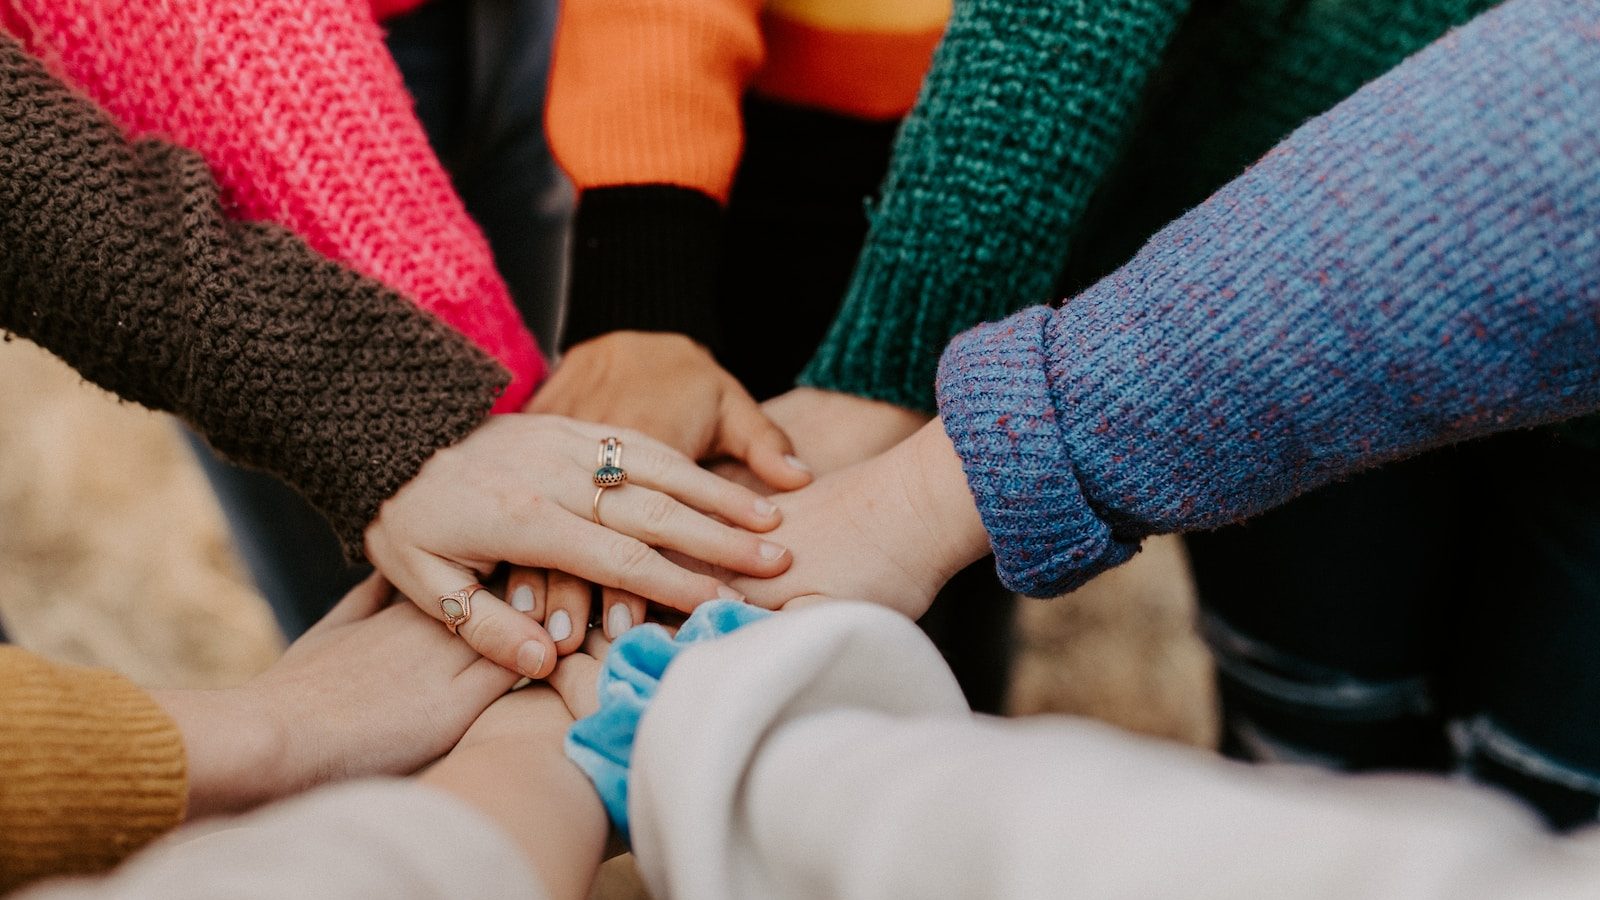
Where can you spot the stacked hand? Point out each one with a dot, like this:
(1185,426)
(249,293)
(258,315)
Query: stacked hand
(668,387)
(519,490)
(891,530)
(372,689)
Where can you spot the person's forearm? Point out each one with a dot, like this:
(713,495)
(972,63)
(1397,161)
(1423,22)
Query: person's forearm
(301,113)
(1020,116)
(1414,268)
(232,750)
(118,259)
(389,838)
(539,799)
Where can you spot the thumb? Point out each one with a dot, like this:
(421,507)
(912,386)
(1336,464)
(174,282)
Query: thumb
(746,434)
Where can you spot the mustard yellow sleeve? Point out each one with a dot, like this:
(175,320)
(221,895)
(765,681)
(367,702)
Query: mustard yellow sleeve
(91,769)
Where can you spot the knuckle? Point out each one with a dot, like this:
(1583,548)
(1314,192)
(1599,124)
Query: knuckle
(658,511)
(659,457)
(634,559)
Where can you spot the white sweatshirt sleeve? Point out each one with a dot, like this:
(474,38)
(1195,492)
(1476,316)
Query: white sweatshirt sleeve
(828,753)
(395,839)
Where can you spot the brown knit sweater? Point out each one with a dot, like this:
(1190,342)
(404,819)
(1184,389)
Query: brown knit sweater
(91,769)
(117,257)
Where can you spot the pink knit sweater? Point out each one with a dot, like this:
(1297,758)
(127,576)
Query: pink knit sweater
(303,117)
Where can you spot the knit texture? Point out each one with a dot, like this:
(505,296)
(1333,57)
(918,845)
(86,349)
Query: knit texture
(91,769)
(648,91)
(1417,267)
(1237,78)
(118,259)
(645,113)
(303,117)
(1020,117)
(645,258)
(976,223)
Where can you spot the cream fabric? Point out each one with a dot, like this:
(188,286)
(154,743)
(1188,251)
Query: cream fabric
(827,753)
(394,839)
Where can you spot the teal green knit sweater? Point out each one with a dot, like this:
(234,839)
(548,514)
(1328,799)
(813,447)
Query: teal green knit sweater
(1035,107)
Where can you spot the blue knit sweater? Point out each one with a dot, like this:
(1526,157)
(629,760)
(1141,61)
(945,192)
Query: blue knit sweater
(1418,266)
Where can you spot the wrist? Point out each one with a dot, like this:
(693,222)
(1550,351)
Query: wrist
(939,494)
(647,258)
(234,749)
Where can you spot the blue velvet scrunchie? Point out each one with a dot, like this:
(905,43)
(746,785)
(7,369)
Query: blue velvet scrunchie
(602,743)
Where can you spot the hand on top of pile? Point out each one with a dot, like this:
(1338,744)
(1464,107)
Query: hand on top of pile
(519,489)
(672,389)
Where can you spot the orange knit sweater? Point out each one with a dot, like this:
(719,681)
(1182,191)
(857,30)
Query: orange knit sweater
(645,115)
(648,91)
(91,769)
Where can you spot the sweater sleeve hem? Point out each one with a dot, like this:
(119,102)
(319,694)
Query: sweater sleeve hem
(994,397)
(645,258)
(94,767)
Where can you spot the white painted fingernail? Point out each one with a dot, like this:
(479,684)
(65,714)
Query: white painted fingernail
(559,626)
(522,598)
(770,550)
(727,593)
(617,621)
(797,463)
(765,507)
(530,658)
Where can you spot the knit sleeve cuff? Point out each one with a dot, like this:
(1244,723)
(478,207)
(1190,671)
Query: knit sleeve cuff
(601,744)
(93,769)
(344,395)
(995,400)
(645,258)
(883,349)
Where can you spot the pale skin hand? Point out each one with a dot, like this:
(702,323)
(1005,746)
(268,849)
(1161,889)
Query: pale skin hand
(519,490)
(891,530)
(512,768)
(833,430)
(372,689)
(666,386)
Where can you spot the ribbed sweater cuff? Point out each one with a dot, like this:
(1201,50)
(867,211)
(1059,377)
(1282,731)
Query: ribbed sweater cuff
(995,399)
(645,258)
(91,769)
(1021,114)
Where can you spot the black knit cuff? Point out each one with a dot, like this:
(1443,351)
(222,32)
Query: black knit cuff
(645,258)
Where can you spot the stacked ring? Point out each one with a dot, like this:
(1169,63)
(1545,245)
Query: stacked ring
(610,473)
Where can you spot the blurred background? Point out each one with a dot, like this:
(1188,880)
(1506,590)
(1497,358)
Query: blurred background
(113,553)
